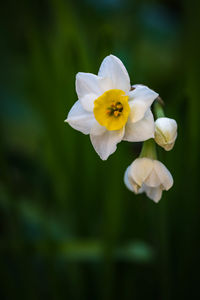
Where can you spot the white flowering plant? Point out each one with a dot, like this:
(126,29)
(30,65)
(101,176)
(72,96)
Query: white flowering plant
(110,110)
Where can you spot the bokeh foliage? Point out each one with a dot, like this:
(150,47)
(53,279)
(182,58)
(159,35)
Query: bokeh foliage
(69,227)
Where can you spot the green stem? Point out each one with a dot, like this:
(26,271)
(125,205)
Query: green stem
(149,149)
(158,110)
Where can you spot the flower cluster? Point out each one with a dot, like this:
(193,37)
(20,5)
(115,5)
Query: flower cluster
(110,110)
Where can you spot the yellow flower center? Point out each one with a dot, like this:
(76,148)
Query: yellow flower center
(112,109)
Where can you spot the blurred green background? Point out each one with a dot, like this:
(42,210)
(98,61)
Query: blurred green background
(69,227)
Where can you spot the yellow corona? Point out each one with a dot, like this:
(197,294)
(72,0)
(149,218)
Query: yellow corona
(111,109)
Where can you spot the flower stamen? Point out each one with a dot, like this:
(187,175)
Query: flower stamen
(116,113)
(115,109)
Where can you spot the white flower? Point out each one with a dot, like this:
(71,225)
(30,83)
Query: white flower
(165,132)
(149,176)
(110,110)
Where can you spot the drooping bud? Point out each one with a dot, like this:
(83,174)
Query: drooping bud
(149,176)
(165,132)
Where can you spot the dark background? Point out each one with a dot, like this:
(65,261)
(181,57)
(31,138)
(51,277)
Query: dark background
(69,227)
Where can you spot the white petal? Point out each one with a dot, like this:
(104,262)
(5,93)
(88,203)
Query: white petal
(89,87)
(142,189)
(130,183)
(140,169)
(113,68)
(97,129)
(141,98)
(153,180)
(141,130)
(88,101)
(143,93)
(164,175)
(138,109)
(154,193)
(106,143)
(80,119)
(126,180)
(87,83)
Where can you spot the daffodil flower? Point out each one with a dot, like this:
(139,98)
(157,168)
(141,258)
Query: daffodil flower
(110,110)
(149,176)
(165,132)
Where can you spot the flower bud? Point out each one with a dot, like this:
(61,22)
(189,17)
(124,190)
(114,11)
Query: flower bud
(149,176)
(165,132)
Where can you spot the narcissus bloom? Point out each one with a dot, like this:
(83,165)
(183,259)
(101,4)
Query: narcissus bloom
(110,110)
(165,132)
(149,176)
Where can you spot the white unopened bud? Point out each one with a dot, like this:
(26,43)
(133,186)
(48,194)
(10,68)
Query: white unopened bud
(149,176)
(165,132)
